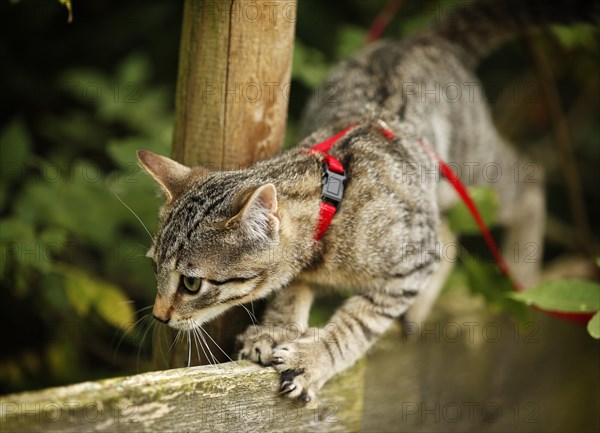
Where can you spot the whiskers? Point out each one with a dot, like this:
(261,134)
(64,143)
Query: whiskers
(201,342)
(253,318)
(197,335)
(134,214)
(196,338)
(140,327)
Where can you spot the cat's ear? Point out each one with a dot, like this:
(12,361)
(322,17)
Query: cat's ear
(260,213)
(169,174)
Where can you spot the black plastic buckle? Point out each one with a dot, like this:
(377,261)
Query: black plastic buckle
(333,185)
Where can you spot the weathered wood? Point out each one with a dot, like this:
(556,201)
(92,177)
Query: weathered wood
(200,399)
(235,65)
(233,82)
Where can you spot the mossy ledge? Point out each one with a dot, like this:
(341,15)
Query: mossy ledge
(233,396)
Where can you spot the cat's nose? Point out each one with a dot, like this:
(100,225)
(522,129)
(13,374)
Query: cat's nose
(162,309)
(161,319)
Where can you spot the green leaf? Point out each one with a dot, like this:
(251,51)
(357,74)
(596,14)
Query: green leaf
(78,202)
(114,307)
(575,35)
(563,295)
(123,151)
(54,238)
(54,293)
(3,196)
(593,326)
(135,69)
(349,39)
(15,145)
(20,243)
(461,220)
(485,279)
(76,131)
(409,24)
(4,253)
(291,134)
(137,106)
(67,4)
(81,290)
(86,85)
(86,292)
(61,360)
(15,230)
(47,247)
(309,65)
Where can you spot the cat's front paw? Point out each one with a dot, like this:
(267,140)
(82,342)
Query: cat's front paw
(302,369)
(257,342)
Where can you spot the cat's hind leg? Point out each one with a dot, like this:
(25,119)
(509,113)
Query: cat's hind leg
(522,211)
(523,242)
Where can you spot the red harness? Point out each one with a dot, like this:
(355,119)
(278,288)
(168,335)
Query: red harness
(334,177)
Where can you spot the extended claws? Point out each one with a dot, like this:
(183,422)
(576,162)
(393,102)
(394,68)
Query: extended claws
(287,387)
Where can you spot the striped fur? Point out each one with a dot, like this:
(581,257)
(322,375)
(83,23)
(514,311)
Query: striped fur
(383,245)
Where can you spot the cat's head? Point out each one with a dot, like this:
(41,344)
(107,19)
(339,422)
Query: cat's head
(215,241)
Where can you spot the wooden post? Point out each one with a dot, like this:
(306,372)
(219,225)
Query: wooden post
(234,73)
(233,82)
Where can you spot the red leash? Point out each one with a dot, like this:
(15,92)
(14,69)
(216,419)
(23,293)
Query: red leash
(382,20)
(463,193)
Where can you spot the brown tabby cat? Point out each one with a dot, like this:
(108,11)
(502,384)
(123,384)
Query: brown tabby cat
(227,238)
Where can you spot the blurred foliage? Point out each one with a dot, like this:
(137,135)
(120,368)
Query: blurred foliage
(69,6)
(68,242)
(84,96)
(485,200)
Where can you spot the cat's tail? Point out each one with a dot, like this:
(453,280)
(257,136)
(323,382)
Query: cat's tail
(479,27)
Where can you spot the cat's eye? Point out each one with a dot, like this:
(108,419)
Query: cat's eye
(192,284)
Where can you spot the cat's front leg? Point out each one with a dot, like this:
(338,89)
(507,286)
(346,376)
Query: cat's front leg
(306,364)
(286,318)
